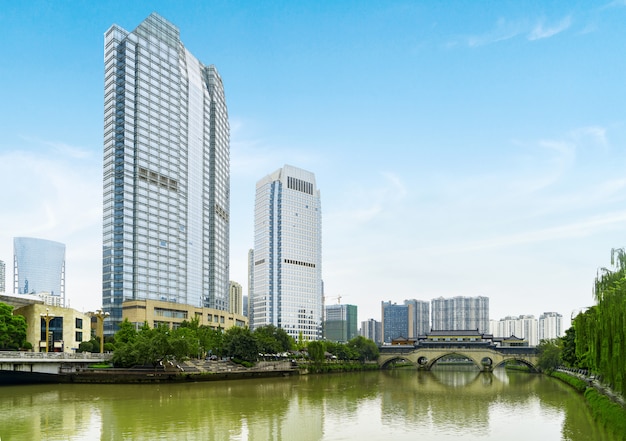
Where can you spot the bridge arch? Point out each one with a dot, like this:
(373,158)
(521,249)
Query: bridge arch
(434,361)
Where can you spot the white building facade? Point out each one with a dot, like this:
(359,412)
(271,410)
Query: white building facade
(550,326)
(287,267)
(523,326)
(460,313)
(166,173)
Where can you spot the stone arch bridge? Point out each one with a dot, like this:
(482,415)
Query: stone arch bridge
(486,358)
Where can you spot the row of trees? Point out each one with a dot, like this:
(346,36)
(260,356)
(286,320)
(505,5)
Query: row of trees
(149,346)
(596,342)
(600,332)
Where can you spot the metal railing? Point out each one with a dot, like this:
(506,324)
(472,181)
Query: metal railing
(53,355)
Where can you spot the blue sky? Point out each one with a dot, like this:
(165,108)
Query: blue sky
(461,148)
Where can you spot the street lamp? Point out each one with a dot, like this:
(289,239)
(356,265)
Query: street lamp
(47,317)
(100,315)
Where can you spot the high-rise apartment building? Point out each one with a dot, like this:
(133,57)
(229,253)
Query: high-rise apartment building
(287,274)
(340,323)
(550,326)
(166,173)
(460,313)
(419,317)
(373,330)
(523,326)
(39,267)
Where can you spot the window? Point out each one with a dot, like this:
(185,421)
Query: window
(79,336)
(79,325)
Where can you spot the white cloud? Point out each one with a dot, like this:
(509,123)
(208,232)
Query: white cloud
(506,30)
(542,30)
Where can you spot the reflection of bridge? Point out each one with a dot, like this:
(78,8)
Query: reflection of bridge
(485,357)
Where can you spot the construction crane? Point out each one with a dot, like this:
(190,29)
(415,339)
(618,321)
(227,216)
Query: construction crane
(334,297)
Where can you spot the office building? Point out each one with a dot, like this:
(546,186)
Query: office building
(39,266)
(550,326)
(340,323)
(287,274)
(166,173)
(235,298)
(460,313)
(373,330)
(395,321)
(171,315)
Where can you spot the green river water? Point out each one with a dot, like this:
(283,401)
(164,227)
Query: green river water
(383,405)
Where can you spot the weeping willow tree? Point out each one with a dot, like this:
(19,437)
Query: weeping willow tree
(601,330)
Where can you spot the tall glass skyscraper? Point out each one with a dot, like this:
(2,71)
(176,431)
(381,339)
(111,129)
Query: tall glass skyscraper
(166,173)
(38,266)
(287,280)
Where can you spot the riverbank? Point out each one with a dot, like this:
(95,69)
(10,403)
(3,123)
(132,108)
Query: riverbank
(187,371)
(607,407)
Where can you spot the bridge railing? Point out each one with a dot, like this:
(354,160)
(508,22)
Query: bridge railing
(53,355)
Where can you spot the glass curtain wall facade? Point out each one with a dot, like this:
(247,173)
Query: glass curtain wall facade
(460,314)
(395,321)
(39,266)
(166,173)
(287,273)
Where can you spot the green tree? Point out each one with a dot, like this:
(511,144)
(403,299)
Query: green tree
(211,340)
(568,343)
(12,329)
(316,351)
(239,343)
(365,349)
(273,340)
(92,345)
(601,330)
(549,353)
(126,332)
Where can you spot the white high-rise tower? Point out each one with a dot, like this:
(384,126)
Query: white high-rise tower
(166,173)
(287,267)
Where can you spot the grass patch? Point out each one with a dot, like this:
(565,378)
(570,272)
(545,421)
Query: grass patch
(517,367)
(576,383)
(611,414)
(99,366)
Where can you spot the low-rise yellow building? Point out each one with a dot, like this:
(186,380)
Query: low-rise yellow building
(156,312)
(67,327)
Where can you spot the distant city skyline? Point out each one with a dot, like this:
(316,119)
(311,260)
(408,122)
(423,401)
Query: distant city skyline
(464,149)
